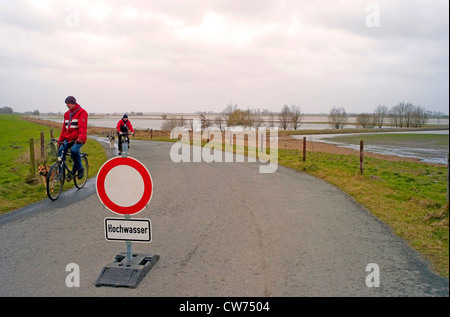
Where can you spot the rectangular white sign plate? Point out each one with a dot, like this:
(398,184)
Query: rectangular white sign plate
(136,230)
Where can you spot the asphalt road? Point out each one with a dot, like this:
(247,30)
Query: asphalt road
(220,229)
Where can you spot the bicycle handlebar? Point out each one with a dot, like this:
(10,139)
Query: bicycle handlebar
(127,133)
(55,140)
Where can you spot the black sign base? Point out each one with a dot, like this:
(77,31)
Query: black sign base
(122,273)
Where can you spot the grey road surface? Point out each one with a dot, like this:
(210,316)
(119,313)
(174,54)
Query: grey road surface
(220,229)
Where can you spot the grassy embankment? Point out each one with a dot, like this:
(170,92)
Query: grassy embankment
(18,187)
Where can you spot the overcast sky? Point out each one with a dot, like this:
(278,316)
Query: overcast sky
(200,55)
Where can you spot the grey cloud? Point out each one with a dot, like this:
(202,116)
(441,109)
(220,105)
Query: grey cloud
(258,53)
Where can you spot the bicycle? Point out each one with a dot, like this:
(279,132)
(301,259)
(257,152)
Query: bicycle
(125,144)
(59,173)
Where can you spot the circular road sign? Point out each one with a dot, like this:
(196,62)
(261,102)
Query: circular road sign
(124,185)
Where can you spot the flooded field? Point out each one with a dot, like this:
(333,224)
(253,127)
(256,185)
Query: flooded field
(431,146)
(144,122)
(428,146)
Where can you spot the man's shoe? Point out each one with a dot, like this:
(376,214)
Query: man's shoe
(120,153)
(81,173)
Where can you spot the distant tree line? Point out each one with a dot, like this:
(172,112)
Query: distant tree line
(290,117)
(234,116)
(9,110)
(403,115)
(408,115)
(6,110)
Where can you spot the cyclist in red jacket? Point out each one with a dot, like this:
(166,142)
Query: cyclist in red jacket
(124,125)
(74,129)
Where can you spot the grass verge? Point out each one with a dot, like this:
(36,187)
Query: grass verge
(18,186)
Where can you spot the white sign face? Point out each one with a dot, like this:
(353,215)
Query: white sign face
(136,230)
(124,185)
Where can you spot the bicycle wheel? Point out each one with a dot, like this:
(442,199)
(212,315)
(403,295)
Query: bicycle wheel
(80,182)
(55,181)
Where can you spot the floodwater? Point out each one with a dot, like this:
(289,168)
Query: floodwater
(428,154)
(145,122)
(155,122)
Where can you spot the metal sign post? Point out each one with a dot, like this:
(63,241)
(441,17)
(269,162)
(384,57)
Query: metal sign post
(127,269)
(127,216)
(129,247)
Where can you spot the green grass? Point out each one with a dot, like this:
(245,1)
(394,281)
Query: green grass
(18,186)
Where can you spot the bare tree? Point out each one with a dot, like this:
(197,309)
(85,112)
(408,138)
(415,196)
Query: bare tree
(205,123)
(337,117)
(409,111)
(401,115)
(284,117)
(366,120)
(438,116)
(397,115)
(296,117)
(408,115)
(271,119)
(381,112)
(219,121)
(170,124)
(269,116)
(229,109)
(419,117)
(256,118)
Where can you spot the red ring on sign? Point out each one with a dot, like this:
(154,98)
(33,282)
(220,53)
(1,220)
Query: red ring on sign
(141,169)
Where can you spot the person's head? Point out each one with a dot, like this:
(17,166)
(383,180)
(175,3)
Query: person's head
(125,117)
(71,102)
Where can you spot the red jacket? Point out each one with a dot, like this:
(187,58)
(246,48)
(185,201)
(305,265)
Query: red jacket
(122,123)
(75,125)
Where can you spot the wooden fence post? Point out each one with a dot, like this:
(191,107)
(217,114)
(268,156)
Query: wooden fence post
(42,145)
(304,148)
(447,177)
(151,133)
(361,156)
(51,133)
(261,148)
(32,159)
